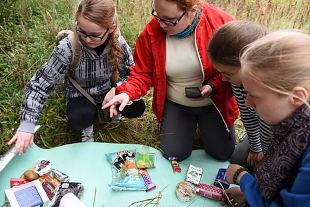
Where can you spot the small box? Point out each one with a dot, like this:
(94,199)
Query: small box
(29,194)
(193,174)
(221,179)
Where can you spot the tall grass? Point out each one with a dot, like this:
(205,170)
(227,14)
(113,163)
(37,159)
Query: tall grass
(28,29)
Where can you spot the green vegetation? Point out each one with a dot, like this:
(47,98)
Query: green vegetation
(28,29)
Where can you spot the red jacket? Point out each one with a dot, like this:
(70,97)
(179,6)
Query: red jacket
(150,68)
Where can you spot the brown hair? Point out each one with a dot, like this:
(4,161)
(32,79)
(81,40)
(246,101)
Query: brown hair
(229,40)
(186,5)
(103,13)
(279,61)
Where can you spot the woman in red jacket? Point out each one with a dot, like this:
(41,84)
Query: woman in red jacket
(171,56)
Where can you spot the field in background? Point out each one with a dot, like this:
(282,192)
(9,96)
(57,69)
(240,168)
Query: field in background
(28,29)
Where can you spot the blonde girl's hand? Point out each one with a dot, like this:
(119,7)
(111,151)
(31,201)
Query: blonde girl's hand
(206,90)
(108,97)
(121,99)
(22,140)
(231,171)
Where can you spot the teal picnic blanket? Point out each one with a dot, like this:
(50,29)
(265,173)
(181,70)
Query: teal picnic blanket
(87,163)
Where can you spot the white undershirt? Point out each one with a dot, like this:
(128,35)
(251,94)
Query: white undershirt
(183,70)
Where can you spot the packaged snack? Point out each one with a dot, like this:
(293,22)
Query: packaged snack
(42,167)
(64,188)
(175,165)
(185,191)
(117,159)
(49,184)
(145,160)
(147,179)
(221,179)
(193,174)
(62,177)
(17,181)
(210,191)
(125,174)
(28,194)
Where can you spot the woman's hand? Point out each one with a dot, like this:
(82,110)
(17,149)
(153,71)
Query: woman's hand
(255,158)
(108,97)
(22,141)
(206,90)
(121,98)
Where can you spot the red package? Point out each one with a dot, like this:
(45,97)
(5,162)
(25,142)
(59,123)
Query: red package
(17,181)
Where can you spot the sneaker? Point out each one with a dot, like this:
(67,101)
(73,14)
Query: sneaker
(88,134)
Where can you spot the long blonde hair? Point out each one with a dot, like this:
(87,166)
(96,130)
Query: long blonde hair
(103,13)
(279,61)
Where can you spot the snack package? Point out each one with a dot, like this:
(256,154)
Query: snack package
(193,174)
(125,174)
(145,160)
(221,179)
(17,181)
(62,177)
(147,179)
(185,191)
(64,188)
(42,167)
(49,184)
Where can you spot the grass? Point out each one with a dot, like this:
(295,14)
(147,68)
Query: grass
(28,29)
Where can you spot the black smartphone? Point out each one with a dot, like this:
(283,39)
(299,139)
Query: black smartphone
(192,92)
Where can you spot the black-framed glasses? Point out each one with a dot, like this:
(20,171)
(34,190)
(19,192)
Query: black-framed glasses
(167,22)
(83,35)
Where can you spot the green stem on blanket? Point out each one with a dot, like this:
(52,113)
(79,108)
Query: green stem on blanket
(149,201)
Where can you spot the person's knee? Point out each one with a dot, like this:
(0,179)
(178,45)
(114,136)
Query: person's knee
(180,156)
(173,150)
(80,119)
(136,109)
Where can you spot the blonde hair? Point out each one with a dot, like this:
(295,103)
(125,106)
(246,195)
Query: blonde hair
(279,61)
(103,13)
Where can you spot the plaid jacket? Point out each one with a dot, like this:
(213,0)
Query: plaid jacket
(93,74)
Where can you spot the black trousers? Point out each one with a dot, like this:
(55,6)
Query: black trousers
(82,113)
(179,128)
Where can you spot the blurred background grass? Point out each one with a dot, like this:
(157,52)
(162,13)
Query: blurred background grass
(28,29)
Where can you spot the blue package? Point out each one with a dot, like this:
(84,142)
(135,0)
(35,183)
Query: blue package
(221,179)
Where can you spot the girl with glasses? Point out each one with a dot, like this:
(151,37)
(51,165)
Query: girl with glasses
(171,55)
(105,59)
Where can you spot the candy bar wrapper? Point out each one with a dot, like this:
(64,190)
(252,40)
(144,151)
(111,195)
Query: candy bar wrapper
(145,160)
(194,174)
(64,188)
(42,167)
(49,184)
(147,180)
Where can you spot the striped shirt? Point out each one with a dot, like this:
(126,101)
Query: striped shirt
(258,131)
(93,74)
